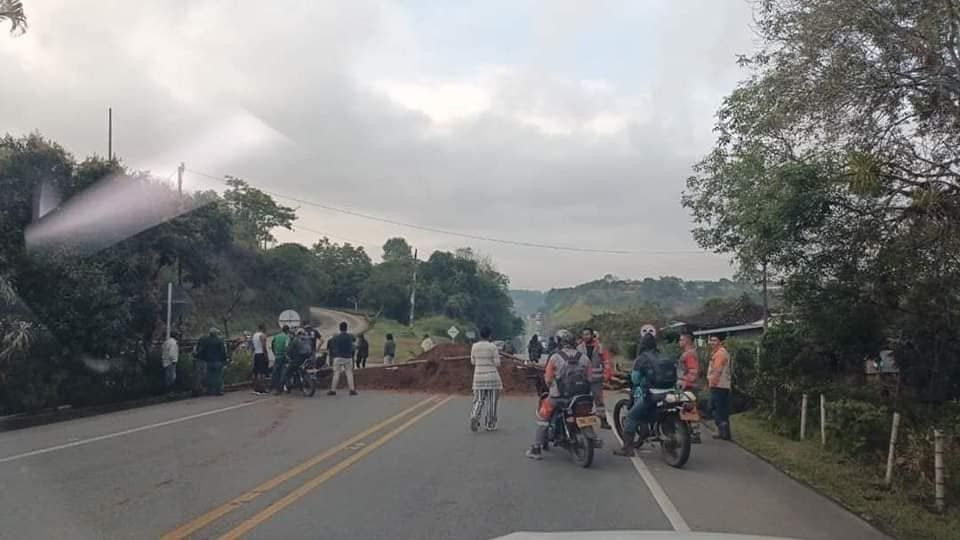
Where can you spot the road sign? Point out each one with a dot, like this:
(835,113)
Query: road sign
(289,318)
(453,332)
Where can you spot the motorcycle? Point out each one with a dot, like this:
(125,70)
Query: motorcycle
(573,427)
(674,425)
(303,375)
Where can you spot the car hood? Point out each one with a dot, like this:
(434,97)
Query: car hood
(633,535)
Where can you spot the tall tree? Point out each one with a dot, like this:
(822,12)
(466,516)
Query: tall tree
(348,267)
(256,214)
(397,249)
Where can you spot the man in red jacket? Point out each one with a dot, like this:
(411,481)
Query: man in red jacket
(689,361)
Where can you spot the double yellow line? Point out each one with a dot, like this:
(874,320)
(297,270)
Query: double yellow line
(206,519)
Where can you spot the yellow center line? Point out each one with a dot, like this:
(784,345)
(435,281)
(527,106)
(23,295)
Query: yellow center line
(200,522)
(303,490)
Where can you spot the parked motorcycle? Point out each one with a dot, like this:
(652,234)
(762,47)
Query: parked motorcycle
(303,375)
(573,427)
(674,426)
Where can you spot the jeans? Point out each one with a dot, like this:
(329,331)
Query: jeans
(720,406)
(279,374)
(215,378)
(169,375)
(638,414)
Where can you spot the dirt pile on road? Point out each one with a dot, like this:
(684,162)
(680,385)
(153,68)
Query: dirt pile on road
(444,350)
(441,374)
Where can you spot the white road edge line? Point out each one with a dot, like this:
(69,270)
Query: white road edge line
(125,432)
(666,505)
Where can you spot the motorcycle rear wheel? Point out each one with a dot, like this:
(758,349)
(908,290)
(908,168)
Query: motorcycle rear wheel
(581,448)
(675,441)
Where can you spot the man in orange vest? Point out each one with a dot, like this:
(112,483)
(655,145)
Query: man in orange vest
(601,370)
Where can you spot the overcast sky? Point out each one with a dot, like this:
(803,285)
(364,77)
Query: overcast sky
(559,122)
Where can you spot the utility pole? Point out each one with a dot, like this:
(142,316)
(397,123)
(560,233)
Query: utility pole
(413,289)
(766,309)
(110,133)
(180,171)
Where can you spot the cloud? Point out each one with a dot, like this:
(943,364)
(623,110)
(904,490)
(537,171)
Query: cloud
(566,123)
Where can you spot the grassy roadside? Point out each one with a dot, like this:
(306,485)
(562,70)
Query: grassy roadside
(901,511)
(408,339)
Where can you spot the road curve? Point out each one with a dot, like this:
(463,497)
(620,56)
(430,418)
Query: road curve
(327,321)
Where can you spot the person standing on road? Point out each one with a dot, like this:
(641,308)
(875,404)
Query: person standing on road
(600,371)
(719,377)
(212,352)
(279,344)
(170,353)
(261,364)
(689,362)
(341,351)
(389,351)
(535,349)
(427,343)
(363,351)
(486,381)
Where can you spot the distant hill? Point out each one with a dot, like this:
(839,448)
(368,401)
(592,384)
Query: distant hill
(674,296)
(526,303)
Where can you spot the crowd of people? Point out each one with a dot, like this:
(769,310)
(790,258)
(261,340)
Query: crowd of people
(651,374)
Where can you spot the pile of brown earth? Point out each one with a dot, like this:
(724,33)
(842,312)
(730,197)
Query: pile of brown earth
(444,369)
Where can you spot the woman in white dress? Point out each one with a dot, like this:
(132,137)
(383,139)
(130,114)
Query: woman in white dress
(486,381)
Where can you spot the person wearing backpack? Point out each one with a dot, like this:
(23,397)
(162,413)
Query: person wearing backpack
(651,370)
(600,370)
(567,374)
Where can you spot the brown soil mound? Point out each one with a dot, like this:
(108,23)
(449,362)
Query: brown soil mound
(444,350)
(441,375)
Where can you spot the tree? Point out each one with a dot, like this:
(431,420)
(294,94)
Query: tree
(12,11)
(838,165)
(387,289)
(348,267)
(397,249)
(255,214)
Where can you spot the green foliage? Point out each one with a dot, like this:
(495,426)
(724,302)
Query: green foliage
(348,267)
(858,428)
(397,249)
(255,214)
(674,295)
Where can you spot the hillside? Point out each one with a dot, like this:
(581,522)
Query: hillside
(526,303)
(674,295)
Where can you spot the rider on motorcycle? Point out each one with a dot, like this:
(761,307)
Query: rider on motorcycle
(601,369)
(643,406)
(566,364)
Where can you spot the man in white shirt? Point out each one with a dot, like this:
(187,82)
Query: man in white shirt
(261,364)
(427,343)
(170,352)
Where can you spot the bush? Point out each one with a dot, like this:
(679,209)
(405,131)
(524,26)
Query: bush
(856,428)
(240,368)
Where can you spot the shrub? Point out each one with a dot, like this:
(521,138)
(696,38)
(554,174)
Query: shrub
(857,428)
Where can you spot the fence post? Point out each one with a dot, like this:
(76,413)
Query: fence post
(938,468)
(888,478)
(823,420)
(803,418)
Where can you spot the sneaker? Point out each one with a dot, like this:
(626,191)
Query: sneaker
(353,392)
(534,453)
(474,424)
(332,393)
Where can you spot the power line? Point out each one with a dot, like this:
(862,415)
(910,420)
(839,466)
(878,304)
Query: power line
(470,236)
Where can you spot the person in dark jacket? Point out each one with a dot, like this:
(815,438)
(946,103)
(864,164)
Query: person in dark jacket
(643,403)
(341,351)
(213,353)
(363,351)
(535,349)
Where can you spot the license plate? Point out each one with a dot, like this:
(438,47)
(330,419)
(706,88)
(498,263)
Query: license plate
(587,421)
(690,416)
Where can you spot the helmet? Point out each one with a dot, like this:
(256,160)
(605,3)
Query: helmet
(565,338)
(648,329)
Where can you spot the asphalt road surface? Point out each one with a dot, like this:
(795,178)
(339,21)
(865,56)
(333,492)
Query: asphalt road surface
(378,465)
(327,321)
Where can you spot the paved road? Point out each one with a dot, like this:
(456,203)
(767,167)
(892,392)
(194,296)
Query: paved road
(379,465)
(327,321)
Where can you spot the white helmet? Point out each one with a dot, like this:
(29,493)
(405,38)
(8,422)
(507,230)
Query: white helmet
(565,338)
(648,329)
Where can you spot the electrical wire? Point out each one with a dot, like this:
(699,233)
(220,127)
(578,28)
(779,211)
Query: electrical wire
(470,236)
